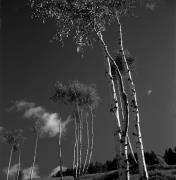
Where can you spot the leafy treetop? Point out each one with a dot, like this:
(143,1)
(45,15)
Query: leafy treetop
(82,17)
(14,138)
(76,93)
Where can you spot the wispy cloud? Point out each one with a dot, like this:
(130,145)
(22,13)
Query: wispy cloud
(150,5)
(149,92)
(27,172)
(12,171)
(1,128)
(50,122)
(57,169)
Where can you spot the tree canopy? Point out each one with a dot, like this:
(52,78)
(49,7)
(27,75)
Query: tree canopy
(82,17)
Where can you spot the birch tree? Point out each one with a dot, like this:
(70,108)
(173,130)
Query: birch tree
(37,131)
(88,19)
(84,99)
(21,139)
(13,138)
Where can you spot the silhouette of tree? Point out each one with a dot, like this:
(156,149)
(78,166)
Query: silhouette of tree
(170,156)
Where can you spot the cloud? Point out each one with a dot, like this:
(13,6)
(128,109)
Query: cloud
(50,122)
(1,128)
(149,92)
(27,172)
(150,5)
(57,169)
(12,171)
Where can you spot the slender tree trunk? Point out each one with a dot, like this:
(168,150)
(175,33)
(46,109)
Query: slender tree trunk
(124,107)
(131,150)
(75,149)
(19,164)
(79,140)
(35,154)
(121,109)
(92,138)
(60,151)
(80,155)
(139,144)
(78,147)
(124,165)
(10,159)
(87,150)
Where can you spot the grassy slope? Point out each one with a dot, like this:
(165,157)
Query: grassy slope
(157,174)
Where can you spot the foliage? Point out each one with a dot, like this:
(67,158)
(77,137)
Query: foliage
(76,93)
(121,64)
(170,156)
(82,17)
(14,138)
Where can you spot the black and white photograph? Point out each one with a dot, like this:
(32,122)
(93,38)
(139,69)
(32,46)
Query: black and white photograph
(87,89)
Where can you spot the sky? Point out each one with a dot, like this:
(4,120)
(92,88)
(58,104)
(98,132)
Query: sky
(30,65)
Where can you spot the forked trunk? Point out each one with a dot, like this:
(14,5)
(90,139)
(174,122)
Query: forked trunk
(87,150)
(138,137)
(10,159)
(124,107)
(60,151)
(122,131)
(19,164)
(35,154)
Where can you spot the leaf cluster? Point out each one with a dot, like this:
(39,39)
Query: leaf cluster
(76,93)
(82,17)
(121,64)
(14,138)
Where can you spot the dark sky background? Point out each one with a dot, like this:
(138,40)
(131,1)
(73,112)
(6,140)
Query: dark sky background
(30,65)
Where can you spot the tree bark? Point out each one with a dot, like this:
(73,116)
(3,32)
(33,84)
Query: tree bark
(92,138)
(75,149)
(87,150)
(60,151)
(81,129)
(139,144)
(35,154)
(10,159)
(19,164)
(124,131)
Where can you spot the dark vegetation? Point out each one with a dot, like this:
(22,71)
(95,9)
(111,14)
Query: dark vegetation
(155,163)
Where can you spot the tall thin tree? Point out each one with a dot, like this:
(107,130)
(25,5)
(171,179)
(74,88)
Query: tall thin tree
(60,150)
(36,130)
(137,132)
(82,97)
(13,139)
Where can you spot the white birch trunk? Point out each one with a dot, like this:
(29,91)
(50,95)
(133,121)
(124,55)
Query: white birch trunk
(92,138)
(124,165)
(19,164)
(87,150)
(77,158)
(80,155)
(75,149)
(35,154)
(60,151)
(139,144)
(10,159)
